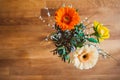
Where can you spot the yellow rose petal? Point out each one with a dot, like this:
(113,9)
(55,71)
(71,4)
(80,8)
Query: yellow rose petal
(100,39)
(106,36)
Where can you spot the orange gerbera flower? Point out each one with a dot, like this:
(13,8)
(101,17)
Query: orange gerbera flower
(66,18)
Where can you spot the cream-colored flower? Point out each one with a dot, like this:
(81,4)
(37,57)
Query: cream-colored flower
(85,57)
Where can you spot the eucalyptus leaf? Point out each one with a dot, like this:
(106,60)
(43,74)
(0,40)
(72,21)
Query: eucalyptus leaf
(80,44)
(73,42)
(61,51)
(92,40)
(67,57)
(81,34)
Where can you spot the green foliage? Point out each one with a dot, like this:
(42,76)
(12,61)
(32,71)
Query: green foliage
(92,40)
(61,51)
(67,41)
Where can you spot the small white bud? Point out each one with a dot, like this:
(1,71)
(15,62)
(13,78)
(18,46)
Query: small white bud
(48,14)
(46,8)
(86,18)
(63,5)
(88,21)
(92,25)
(46,39)
(43,20)
(70,5)
(40,18)
(48,24)
(81,22)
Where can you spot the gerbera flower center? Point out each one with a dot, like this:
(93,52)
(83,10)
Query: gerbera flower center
(84,57)
(66,19)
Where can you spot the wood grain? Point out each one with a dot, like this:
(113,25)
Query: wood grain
(25,55)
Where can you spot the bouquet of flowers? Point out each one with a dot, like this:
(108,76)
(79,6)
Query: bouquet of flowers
(76,42)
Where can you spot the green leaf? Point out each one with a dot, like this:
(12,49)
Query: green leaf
(67,57)
(80,44)
(95,27)
(81,34)
(69,60)
(92,40)
(73,42)
(61,51)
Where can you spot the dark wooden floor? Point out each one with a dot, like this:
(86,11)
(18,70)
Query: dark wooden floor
(25,55)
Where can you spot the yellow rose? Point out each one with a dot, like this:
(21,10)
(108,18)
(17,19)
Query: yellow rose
(101,31)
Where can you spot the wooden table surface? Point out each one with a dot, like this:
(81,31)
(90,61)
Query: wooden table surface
(25,55)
